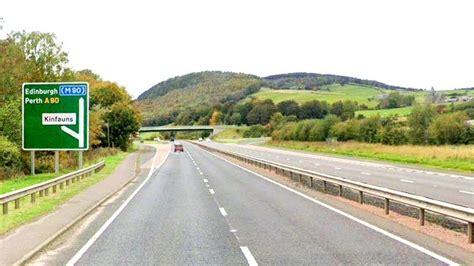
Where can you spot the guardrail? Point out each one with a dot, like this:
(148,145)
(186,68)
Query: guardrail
(43,188)
(461,213)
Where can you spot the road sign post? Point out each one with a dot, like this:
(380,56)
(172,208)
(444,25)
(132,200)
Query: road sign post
(33,162)
(55,117)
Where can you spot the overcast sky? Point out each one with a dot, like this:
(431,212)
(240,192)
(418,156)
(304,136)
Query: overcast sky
(140,43)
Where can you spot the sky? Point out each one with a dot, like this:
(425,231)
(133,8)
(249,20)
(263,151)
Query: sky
(140,43)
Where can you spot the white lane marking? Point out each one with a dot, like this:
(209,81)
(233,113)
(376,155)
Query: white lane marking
(337,168)
(205,180)
(212,191)
(223,212)
(233,230)
(467,192)
(248,255)
(317,164)
(200,173)
(102,229)
(207,185)
(197,168)
(301,161)
(406,181)
(364,173)
(468,178)
(364,223)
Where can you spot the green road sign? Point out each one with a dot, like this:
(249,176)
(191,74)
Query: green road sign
(55,116)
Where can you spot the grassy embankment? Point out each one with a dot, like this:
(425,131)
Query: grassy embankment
(449,157)
(43,205)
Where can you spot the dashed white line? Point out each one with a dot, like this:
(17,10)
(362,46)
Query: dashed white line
(248,255)
(467,192)
(365,173)
(317,164)
(366,224)
(406,181)
(337,168)
(205,180)
(223,212)
(212,191)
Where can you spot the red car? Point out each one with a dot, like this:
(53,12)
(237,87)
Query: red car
(178,147)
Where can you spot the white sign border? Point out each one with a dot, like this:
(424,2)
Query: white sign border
(23,116)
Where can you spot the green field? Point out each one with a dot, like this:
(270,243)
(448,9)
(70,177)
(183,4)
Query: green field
(330,93)
(404,111)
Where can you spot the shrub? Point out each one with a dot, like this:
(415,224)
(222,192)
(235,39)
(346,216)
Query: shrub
(450,128)
(392,135)
(255,131)
(10,158)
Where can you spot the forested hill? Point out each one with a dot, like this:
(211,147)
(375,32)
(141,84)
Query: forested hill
(312,81)
(209,79)
(194,95)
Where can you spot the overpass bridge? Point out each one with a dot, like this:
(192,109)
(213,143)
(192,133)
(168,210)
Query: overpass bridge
(212,129)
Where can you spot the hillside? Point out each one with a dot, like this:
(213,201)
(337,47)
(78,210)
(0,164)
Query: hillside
(314,81)
(196,90)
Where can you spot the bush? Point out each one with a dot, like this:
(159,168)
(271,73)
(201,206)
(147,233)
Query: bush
(344,131)
(368,129)
(302,130)
(255,131)
(10,158)
(392,135)
(450,128)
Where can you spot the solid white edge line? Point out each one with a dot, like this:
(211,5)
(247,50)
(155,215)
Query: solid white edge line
(102,229)
(467,192)
(248,255)
(223,212)
(371,226)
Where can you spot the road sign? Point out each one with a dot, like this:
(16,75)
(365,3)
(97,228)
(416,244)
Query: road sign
(55,116)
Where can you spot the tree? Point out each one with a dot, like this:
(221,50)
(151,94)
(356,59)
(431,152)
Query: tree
(289,107)
(235,119)
(215,118)
(123,121)
(13,69)
(337,108)
(450,128)
(44,52)
(10,120)
(368,128)
(105,94)
(261,113)
(313,109)
(243,110)
(419,121)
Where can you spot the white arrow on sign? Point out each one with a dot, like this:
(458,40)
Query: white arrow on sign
(79,135)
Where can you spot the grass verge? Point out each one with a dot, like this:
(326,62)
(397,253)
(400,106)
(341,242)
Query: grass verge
(449,157)
(29,211)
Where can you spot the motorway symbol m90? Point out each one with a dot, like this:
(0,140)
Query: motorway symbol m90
(55,116)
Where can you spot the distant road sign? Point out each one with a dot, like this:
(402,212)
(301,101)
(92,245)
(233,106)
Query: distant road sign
(55,116)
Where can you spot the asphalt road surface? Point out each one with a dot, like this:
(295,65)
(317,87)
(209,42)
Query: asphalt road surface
(449,187)
(198,209)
